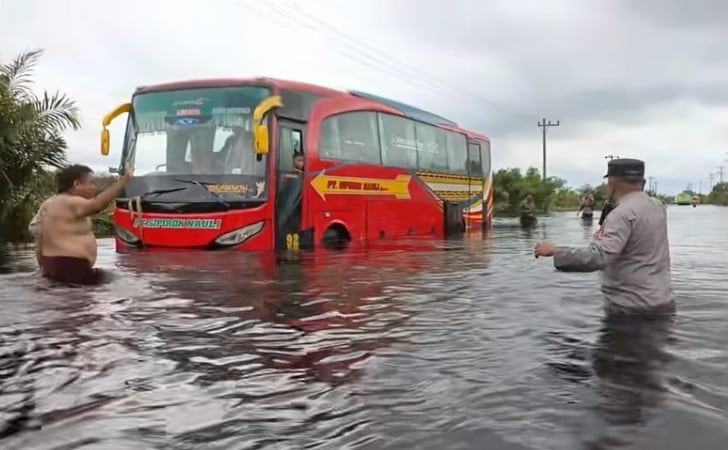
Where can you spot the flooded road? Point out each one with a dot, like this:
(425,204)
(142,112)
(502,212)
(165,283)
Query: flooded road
(470,344)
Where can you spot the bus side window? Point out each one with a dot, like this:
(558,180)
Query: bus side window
(290,142)
(431,148)
(296,138)
(474,161)
(329,139)
(485,152)
(457,152)
(351,136)
(398,141)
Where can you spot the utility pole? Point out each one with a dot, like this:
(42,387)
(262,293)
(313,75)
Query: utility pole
(655,190)
(611,157)
(711,181)
(720,173)
(544,126)
(651,180)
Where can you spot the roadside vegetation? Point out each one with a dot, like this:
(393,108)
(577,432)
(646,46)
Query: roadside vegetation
(32,149)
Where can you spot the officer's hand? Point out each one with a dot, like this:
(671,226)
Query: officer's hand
(543,248)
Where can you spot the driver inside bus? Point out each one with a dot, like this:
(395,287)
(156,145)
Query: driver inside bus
(237,156)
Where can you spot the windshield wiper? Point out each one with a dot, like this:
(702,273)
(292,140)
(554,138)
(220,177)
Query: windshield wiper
(158,192)
(202,185)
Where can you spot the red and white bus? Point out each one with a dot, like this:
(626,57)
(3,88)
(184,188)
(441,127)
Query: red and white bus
(214,168)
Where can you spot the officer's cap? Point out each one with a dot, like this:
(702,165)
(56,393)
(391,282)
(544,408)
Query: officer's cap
(630,169)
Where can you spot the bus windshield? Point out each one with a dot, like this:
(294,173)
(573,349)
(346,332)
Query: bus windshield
(193,132)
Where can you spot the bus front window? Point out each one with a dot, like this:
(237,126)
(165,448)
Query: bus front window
(195,132)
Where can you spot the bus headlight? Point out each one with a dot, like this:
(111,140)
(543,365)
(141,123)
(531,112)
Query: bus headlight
(127,236)
(239,235)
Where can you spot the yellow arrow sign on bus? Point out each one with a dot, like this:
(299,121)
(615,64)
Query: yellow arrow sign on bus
(332,184)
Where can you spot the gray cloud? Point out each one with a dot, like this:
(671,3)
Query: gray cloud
(579,62)
(703,15)
(642,76)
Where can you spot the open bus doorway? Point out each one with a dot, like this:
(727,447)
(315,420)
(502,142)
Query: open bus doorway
(290,176)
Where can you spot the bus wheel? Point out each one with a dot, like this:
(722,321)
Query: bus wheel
(335,237)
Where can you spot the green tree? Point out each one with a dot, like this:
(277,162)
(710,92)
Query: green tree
(566,199)
(601,195)
(663,198)
(719,194)
(31,141)
(511,185)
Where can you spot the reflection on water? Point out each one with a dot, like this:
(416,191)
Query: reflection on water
(460,344)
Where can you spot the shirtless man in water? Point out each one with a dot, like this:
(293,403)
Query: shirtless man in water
(65,241)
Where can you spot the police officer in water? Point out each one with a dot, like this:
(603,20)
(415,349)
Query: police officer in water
(631,247)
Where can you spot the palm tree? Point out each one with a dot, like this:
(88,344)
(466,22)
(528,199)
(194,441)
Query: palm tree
(31,128)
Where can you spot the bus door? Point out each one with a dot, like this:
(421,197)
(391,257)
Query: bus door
(289,186)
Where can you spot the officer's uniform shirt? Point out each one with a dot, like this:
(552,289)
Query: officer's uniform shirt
(632,250)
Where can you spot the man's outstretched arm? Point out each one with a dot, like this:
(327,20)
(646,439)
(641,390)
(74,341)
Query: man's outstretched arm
(602,251)
(85,207)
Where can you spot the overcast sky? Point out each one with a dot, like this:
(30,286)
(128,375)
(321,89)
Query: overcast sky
(642,79)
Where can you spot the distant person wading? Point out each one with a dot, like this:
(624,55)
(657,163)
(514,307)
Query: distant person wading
(586,207)
(631,246)
(65,243)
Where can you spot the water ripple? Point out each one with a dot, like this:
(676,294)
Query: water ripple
(470,344)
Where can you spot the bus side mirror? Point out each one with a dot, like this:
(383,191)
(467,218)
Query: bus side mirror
(105,138)
(260,130)
(105,141)
(261,140)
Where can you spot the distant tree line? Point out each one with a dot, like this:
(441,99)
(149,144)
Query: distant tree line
(718,195)
(511,185)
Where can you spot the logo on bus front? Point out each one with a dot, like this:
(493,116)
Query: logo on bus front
(194,224)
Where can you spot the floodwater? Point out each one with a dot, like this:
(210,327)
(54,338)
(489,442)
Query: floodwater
(459,345)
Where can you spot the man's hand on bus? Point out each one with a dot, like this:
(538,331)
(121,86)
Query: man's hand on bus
(128,170)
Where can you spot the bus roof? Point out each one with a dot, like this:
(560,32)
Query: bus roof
(217,82)
(470,134)
(409,111)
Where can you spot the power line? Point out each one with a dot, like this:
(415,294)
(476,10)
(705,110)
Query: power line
(358,51)
(349,47)
(381,57)
(276,14)
(611,157)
